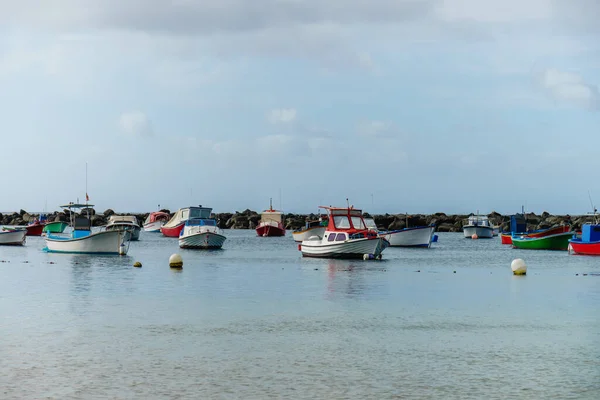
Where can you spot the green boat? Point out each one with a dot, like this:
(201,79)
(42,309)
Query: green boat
(55,227)
(560,241)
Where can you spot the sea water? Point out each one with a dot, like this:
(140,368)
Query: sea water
(256,320)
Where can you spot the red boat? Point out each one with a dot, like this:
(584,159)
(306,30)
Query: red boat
(175,225)
(36,227)
(507,237)
(589,242)
(270,223)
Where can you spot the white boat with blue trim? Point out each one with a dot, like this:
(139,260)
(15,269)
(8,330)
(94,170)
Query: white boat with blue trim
(418,236)
(346,236)
(11,236)
(82,240)
(201,233)
(128,223)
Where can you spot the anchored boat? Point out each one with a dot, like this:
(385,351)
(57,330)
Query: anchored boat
(346,236)
(201,233)
(83,241)
(559,241)
(12,236)
(478,226)
(127,223)
(589,243)
(175,225)
(311,228)
(270,223)
(155,221)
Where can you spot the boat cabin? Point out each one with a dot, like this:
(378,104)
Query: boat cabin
(590,233)
(184,214)
(478,220)
(157,216)
(346,223)
(518,223)
(271,216)
(201,222)
(127,219)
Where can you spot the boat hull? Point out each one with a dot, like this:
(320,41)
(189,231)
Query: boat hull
(55,227)
(558,241)
(13,237)
(576,246)
(133,232)
(410,237)
(482,232)
(35,229)
(172,231)
(506,238)
(105,242)
(204,240)
(304,234)
(350,249)
(270,231)
(153,226)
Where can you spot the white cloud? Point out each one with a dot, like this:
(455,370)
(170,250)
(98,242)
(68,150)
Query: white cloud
(569,88)
(135,123)
(374,128)
(282,115)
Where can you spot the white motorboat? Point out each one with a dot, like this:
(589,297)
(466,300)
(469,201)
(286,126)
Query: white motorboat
(83,240)
(201,233)
(478,226)
(10,236)
(346,236)
(419,236)
(311,228)
(175,225)
(155,221)
(126,223)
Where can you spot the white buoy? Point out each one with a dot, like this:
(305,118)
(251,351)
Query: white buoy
(175,261)
(474,236)
(122,249)
(518,267)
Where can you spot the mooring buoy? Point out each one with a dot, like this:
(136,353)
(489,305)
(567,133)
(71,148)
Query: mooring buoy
(175,261)
(518,267)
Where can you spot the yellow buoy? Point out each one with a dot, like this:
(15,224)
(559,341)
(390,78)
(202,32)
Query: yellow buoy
(518,267)
(175,261)
(137,264)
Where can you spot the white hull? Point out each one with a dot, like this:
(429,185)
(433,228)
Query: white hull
(411,237)
(133,232)
(352,248)
(15,238)
(153,226)
(106,242)
(206,240)
(482,232)
(300,236)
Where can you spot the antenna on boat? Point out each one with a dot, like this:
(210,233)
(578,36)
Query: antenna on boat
(271,203)
(347,202)
(594,210)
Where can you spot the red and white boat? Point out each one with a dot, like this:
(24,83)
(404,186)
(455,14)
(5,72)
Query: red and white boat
(589,242)
(155,221)
(270,223)
(175,225)
(346,236)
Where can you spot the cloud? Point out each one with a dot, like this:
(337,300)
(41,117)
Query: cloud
(135,123)
(374,128)
(282,116)
(569,88)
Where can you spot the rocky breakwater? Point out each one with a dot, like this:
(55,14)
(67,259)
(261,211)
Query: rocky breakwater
(249,219)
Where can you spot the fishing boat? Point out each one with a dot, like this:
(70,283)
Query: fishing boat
(518,225)
(201,233)
(175,225)
(311,228)
(589,242)
(507,237)
(155,221)
(127,223)
(559,241)
(12,236)
(55,227)
(271,222)
(478,226)
(36,227)
(419,236)
(82,240)
(346,236)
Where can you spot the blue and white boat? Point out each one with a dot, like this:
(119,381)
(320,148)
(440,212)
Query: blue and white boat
(418,236)
(201,233)
(83,241)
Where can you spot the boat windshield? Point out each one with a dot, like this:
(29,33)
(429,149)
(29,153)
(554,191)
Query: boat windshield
(196,212)
(341,222)
(358,223)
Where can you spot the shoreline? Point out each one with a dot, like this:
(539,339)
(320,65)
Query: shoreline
(248,219)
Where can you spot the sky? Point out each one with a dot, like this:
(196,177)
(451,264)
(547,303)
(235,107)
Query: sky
(414,106)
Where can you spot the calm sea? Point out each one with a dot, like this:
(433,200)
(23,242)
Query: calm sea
(256,321)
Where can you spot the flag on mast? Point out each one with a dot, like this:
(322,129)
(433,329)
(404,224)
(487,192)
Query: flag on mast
(87,198)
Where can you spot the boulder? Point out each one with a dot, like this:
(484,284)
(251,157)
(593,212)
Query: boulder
(108,213)
(22,212)
(87,211)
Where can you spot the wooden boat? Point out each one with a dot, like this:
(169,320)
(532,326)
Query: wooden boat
(83,241)
(155,221)
(478,226)
(55,227)
(11,236)
(270,223)
(36,227)
(201,233)
(507,238)
(589,242)
(346,236)
(559,241)
(175,225)
(126,223)
(311,228)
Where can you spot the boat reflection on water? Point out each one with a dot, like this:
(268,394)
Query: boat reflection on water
(348,278)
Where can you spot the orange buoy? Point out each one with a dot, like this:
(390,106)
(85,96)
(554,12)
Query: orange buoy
(474,236)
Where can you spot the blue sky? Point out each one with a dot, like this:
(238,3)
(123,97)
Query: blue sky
(427,105)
